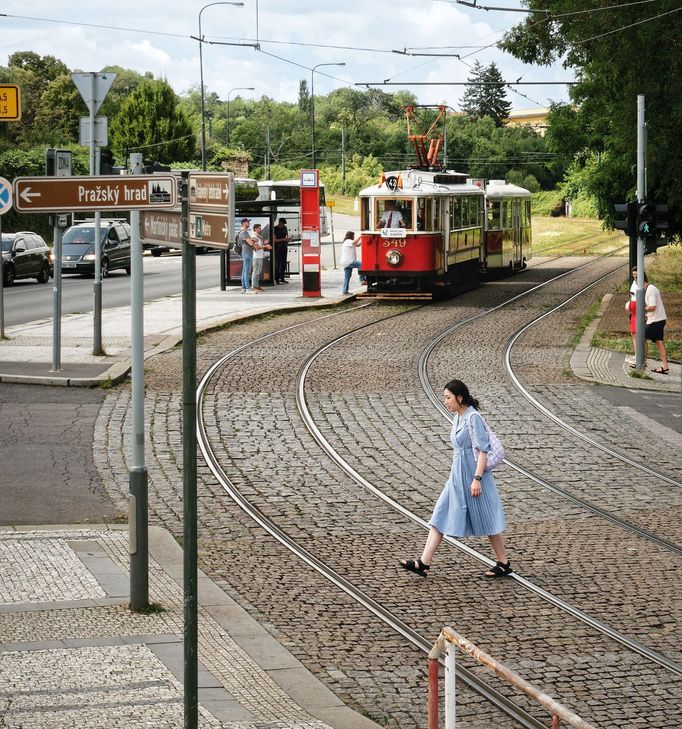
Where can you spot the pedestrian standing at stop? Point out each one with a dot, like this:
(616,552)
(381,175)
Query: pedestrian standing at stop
(655,322)
(280,235)
(247,243)
(259,248)
(469,505)
(349,259)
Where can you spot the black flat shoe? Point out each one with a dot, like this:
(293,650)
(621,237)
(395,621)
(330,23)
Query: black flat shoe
(416,566)
(501,569)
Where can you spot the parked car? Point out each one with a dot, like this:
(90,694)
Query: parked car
(25,255)
(78,247)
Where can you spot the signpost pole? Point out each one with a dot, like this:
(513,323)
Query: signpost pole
(138,521)
(640,341)
(57,296)
(189,461)
(97,338)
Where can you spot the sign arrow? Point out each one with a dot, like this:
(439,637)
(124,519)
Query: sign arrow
(225,230)
(26,195)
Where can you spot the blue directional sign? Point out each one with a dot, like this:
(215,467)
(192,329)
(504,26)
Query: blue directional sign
(5,195)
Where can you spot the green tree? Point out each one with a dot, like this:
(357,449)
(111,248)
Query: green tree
(303,97)
(150,121)
(486,94)
(616,52)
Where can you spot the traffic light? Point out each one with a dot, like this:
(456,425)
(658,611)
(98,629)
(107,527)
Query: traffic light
(625,217)
(660,229)
(646,220)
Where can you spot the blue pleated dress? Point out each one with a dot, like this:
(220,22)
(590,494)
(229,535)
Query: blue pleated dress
(457,513)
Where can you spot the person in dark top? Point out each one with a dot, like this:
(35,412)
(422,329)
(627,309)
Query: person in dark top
(281,240)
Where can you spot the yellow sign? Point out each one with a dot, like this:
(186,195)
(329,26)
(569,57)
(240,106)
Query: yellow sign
(331,203)
(10,102)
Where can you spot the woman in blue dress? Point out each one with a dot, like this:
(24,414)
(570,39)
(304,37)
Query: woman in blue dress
(469,505)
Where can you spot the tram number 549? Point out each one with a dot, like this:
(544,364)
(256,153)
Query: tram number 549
(394,242)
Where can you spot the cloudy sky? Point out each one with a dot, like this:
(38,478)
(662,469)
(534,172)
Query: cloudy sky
(294,36)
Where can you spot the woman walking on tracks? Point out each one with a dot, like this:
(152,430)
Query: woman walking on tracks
(469,505)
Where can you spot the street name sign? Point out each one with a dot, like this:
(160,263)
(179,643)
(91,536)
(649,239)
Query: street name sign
(210,229)
(10,102)
(115,192)
(210,191)
(164,227)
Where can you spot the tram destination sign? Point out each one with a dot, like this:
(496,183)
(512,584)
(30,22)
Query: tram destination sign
(115,192)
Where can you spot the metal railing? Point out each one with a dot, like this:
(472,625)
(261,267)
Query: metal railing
(448,641)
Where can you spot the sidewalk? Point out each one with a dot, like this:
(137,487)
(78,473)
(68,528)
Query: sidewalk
(74,656)
(613,368)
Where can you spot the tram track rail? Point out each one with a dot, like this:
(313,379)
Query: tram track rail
(338,580)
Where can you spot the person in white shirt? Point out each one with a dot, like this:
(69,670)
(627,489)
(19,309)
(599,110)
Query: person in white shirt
(391,218)
(349,260)
(655,320)
(259,248)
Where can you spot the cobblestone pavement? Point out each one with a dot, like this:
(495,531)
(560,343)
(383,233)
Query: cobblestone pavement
(97,664)
(366,397)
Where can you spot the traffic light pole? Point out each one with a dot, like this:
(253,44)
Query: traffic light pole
(640,341)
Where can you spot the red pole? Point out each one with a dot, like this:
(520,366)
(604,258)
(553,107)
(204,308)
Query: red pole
(433,693)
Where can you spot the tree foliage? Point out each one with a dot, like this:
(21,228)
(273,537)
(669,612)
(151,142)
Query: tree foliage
(149,120)
(486,94)
(617,52)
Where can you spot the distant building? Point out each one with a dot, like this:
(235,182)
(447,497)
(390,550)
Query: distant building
(536,119)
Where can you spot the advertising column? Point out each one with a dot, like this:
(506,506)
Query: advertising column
(310,232)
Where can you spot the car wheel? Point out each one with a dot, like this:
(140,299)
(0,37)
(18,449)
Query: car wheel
(44,275)
(156,253)
(104,268)
(9,275)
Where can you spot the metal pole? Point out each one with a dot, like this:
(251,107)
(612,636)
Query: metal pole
(343,159)
(312,114)
(56,296)
(138,477)
(189,460)
(450,686)
(640,342)
(201,82)
(432,710)
(331,225)
(267,153)
(97,288)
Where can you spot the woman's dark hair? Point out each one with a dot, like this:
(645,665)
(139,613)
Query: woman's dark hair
(459,389)
(349,234)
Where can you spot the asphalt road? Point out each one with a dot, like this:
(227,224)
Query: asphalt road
(27,300)
(47,470)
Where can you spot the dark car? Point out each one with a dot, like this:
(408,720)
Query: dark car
(78,247)
(25,255)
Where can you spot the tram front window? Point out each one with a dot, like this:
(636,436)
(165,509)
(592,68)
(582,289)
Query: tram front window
(393,213)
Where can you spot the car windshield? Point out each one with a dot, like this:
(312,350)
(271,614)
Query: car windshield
(7,241)
(82,236)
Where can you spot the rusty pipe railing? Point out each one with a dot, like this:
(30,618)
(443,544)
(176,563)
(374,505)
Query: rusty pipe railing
(450,639)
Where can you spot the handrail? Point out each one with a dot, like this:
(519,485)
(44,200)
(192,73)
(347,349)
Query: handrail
(449,637)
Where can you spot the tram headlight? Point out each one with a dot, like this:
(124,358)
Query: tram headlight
(393,257)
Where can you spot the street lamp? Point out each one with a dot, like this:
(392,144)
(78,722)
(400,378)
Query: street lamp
(236,88)
(312,101)
(201,75)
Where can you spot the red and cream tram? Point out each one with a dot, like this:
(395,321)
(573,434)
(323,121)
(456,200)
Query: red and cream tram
(422,233)
(508,239)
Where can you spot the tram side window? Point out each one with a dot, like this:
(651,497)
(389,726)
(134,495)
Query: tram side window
(433,219)
(364,213)
(455,213)
(494,215)
(527,217)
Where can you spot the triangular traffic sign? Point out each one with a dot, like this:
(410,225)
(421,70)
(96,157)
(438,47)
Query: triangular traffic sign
(93,93)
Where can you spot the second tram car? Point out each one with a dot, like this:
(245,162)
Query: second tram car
(508,239)
(422,233)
